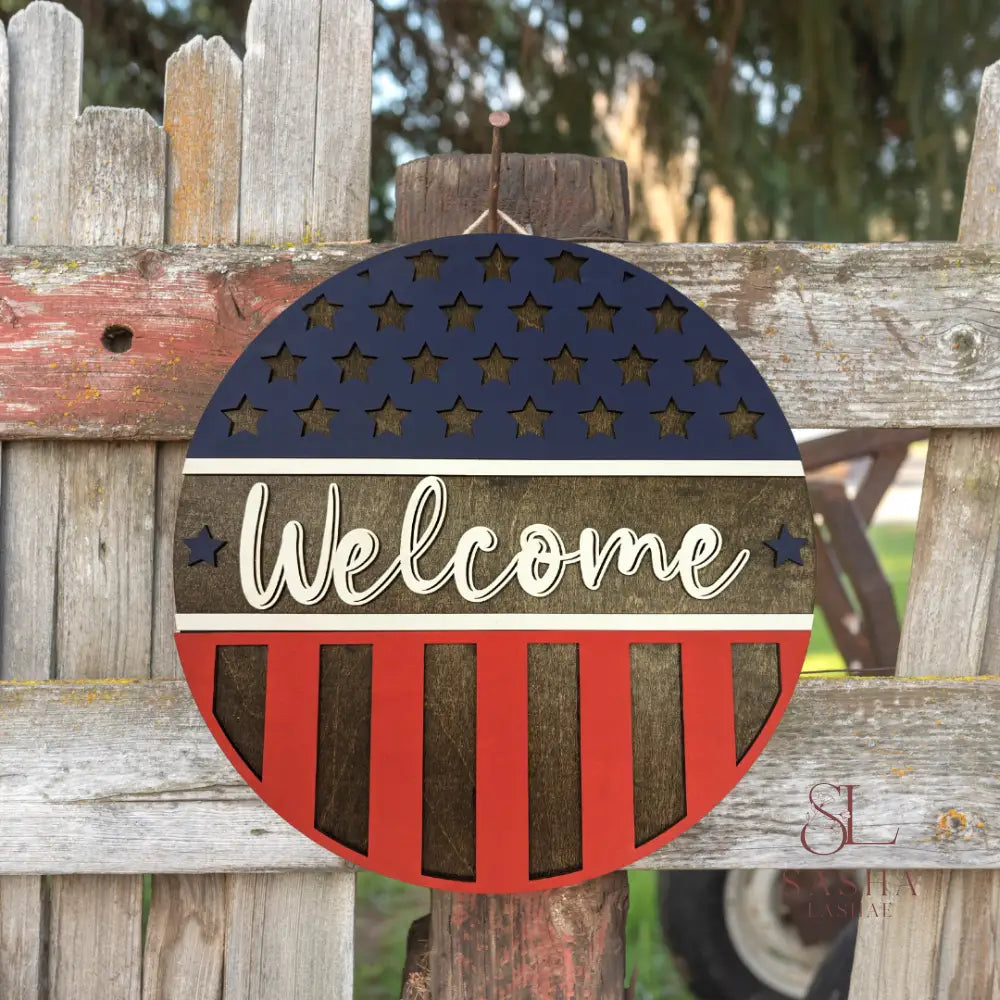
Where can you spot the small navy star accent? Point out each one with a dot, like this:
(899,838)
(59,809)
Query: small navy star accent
(786,547)
(204,548)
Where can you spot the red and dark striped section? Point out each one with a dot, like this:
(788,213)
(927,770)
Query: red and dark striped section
(498,761)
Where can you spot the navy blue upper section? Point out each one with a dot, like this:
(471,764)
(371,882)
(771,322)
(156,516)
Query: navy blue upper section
(637,433)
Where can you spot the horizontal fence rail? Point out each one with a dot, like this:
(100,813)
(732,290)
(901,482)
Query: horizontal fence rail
(123,776)
(889,335)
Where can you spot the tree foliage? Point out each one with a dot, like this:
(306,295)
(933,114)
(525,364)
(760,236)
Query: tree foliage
(819,118)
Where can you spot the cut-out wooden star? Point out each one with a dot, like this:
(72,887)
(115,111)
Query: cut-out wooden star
(459,419)
(461,314)
(354,365)
(320,313)
(425,365)
(427,264)
(388,418)
(567,266)
(530,419)
(391,313)
(635,368)
(497,265)
(667,316)
(742,421)
(565,366)
(600,316)
(786,547)
(706,368)
(283,365)
(673,420)
(496,366)
(203,548)
(316,419)
(244,419)
(530,315)
(600,420)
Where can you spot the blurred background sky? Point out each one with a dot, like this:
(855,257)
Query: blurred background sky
(777,119)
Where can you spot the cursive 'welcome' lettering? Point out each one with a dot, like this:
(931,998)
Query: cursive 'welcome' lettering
(538,566)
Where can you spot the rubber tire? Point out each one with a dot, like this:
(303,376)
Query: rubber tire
(694,926)
(833,978)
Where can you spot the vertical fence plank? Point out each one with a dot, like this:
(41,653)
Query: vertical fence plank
(113,151)
(342,157)
(185,938)
(21,908)
(4,131)
(280,71)
(311,913)
(202,116)
(46,69)
(45,62)
(946,948)
(290,935)
(105,551)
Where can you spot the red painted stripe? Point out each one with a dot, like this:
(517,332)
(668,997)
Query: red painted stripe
(606,752)
(196,651)
(397,755)
(709,722)
(291,717)
(501,762)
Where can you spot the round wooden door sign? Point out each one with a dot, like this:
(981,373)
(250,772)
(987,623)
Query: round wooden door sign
(493,563)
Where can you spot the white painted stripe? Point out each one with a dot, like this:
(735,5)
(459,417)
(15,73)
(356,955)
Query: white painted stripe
(481,467)
(490,623)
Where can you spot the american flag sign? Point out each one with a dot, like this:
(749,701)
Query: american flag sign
(493,563)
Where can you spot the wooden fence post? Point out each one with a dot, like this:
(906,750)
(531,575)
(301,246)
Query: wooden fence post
(946,947)
(558,943)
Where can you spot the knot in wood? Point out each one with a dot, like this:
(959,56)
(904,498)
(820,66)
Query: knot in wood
(963,342)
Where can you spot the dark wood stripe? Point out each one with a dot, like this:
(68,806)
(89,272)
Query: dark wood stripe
(657,739)
(238,700)
(555,837)
(344,739)
(449,814)
(756,686)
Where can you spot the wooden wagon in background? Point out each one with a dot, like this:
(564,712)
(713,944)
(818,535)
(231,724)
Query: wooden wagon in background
(113,336)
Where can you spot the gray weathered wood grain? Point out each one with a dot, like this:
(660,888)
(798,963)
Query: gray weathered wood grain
(105,556)
(948,949)
(290,935)
(45,44)
(95,938)
(117,176)
(342,157)
(184,951)
(894,335)
(4,131)
(45,66)
(280,74)
(166,800)
(203,120)
(103,608)
(21,918)
(185,938)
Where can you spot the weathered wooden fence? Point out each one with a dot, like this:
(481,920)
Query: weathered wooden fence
(112,339)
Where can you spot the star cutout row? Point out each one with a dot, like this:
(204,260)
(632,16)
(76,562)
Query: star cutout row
(388,418)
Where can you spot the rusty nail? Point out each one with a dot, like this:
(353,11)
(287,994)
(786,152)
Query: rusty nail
(499,120)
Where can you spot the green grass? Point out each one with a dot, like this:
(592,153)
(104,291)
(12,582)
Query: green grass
(385,909)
